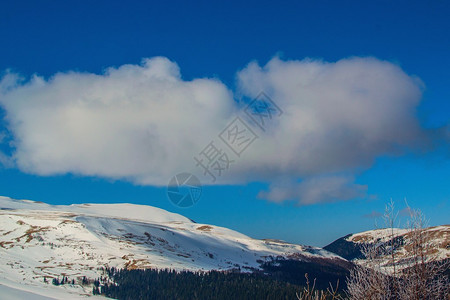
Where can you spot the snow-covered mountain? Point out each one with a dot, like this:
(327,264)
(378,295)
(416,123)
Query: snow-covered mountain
(40,241)
(437,240)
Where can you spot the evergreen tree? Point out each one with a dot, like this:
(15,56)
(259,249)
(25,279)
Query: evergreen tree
(55,281)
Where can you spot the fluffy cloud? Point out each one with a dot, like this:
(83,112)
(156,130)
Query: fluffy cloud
(313,190)
(144,123)
(338,117)
(138,122)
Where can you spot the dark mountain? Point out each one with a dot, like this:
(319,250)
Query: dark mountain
(345,249)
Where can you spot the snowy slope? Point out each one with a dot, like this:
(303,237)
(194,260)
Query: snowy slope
(38,240)
(437,245)
(438,239)
(17,294)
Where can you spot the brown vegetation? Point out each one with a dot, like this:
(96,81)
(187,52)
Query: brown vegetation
(419,274)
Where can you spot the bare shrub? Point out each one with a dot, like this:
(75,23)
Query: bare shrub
(310,293)
(417,274)
(423,278)
(370,282)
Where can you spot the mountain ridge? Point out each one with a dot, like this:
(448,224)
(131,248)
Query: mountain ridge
(350,246)
(39,240)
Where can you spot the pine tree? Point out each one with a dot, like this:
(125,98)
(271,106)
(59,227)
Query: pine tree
(55,281)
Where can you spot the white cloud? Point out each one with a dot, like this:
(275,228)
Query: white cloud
(144,123)
(323,189)
(338,117)
(373,215)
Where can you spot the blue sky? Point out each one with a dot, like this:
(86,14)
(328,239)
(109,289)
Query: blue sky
(217,41)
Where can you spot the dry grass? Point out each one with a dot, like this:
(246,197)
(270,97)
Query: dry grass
(414,274)
(3,244)
(205,228)
(136,264)
(29,233)
(361,238)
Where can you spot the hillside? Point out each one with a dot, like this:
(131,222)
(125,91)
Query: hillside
(40,241)
(349,246)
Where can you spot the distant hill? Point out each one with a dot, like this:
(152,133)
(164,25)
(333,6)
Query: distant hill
(349,246)
(41,242)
